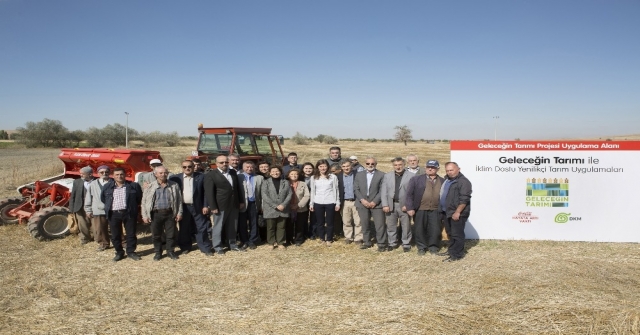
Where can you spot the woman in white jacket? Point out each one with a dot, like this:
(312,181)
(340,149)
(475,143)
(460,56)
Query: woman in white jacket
(324,200)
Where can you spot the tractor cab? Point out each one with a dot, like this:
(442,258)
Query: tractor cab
(251,144)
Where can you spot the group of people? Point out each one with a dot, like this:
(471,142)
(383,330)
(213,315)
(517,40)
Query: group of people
(237,205)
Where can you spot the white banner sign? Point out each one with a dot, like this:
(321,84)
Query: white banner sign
(573,191)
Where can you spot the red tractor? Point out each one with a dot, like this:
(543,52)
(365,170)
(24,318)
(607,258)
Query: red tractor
(43,204)
(251,144)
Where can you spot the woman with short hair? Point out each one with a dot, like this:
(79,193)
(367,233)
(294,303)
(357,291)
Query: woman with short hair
(276,199)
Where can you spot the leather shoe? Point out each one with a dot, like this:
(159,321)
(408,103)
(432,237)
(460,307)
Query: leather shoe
(252,246)
(365,246)
(238,249)
(348,241)
(208,253)
(383,249)
(406,249)
(390,248)
(220,252)
(451,259)
(157,257)
(446,253)
(185,251)
(134,256)
(118,257)
(421,252)
(172,255)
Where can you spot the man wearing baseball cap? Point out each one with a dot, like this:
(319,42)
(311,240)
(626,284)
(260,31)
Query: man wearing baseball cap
(422,201)
(355,165)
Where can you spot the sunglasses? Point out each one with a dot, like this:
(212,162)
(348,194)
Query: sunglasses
(188,167)
(369,163)
(103,172)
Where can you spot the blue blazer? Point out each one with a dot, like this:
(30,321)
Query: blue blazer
(198,189)
(133,197)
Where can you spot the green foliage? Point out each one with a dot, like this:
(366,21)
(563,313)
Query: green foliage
(157,138)
(111,135)
(328,139)
(46,133)
(300,139)
(320,138)
(4,135)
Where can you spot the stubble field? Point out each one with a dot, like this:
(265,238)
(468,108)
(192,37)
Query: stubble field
(501,287)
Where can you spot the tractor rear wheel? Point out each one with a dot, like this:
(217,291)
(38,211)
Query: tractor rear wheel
(49,223)
(7,205)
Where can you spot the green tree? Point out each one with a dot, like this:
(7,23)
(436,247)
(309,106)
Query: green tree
(300,139)
(46,133)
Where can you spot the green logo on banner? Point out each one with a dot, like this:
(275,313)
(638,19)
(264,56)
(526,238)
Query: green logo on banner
(562,217)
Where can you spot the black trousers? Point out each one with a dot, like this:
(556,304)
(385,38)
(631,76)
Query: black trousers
(295,227)
(427,229)
(163,222)
(248,224)
(116,220)
(194,223)
(455,230)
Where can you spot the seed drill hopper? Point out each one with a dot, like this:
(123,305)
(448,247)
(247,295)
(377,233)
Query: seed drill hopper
(42,205)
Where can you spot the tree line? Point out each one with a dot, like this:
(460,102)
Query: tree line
(53,134)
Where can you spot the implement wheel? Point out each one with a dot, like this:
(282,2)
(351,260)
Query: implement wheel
(6,205)
(49,223)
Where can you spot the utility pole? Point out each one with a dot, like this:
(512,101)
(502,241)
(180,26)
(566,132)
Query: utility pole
(495,128)
(126,132)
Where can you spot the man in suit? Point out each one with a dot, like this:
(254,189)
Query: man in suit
(413,165)
(194,212)
(350,218)
(121,200)
(225,198)
(422,199)
(368,188)
(394,191)
(248,217)
(76,203)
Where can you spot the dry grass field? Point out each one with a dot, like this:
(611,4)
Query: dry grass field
(501,287)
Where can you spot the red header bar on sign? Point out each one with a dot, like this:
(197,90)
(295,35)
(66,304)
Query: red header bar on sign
(545,145)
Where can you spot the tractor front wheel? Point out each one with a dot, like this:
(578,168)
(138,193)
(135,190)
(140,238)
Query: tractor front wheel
(49,223)
(6,205)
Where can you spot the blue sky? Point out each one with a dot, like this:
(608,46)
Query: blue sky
(548,69)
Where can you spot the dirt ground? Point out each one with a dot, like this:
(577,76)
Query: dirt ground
(501,287)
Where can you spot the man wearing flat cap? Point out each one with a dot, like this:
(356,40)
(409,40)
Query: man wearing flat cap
(422,200)
(94,207)
(76,203)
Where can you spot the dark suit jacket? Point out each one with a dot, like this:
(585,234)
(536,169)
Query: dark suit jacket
(198,189)
(78,192)
(133,197)
(341,185)
(219,194)
(360,188)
